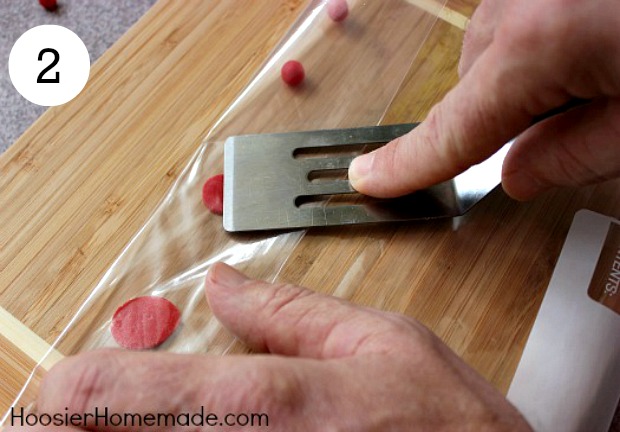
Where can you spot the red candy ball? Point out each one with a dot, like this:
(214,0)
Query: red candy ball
(292,73)
(213,194)
(337,9)
(50,5)
(144,322)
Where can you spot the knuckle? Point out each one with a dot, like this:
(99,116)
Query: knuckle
(393,331)
(282,296)
(447,143)
(270,387)
(470,51)
(81,379)
(410,329)
(281,388)
(545,28)
(478,35)
(571,169)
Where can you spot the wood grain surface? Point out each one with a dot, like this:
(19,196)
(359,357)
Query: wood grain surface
(85,177)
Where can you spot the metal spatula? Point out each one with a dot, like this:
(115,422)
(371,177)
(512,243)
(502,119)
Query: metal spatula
(294,180)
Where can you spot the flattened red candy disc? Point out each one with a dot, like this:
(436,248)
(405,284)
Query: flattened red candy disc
(213,194)
(144,322)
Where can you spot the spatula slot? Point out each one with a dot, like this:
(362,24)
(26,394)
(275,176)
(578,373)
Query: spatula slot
(322,176)
(335,200)
(335,150)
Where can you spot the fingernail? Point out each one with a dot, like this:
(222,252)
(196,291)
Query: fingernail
(359,168)
(226,276)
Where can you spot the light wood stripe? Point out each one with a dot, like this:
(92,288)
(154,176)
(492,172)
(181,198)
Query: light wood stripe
(448,15)
(28,341)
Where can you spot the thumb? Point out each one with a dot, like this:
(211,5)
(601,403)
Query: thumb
(578,147)
(290,320)
(492,104)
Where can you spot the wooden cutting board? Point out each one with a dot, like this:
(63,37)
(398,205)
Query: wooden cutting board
(86,176)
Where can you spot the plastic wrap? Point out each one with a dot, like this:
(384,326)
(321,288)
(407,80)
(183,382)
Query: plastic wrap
(353,71)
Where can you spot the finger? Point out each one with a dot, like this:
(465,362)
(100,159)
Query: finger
(40,426)
(102,384)
(493,103)
(578,147)
(123,387)
(289,320)
(479,33)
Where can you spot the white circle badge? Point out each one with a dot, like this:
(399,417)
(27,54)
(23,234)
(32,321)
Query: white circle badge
(49,65)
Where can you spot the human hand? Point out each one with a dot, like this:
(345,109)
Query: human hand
(334,367)
(520,60)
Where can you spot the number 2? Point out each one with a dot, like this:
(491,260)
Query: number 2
(56,79)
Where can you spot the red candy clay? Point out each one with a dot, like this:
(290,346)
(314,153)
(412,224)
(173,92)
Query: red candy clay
(213,194)
(50,5)
(292,73)
(337,9)
(144,322)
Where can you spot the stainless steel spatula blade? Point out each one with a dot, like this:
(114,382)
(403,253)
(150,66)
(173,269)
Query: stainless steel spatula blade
(295,180)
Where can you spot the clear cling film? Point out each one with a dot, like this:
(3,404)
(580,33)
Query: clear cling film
(353,71)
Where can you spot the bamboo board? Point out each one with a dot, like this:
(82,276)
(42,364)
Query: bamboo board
(84,178)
